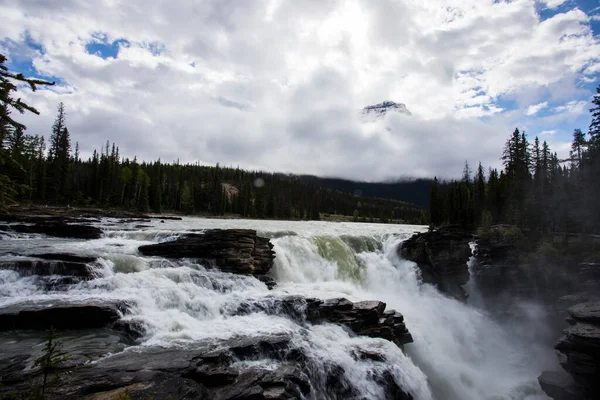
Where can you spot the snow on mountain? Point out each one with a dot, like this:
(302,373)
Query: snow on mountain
(379,111)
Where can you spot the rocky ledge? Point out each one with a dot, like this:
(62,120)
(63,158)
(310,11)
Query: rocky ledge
(65,315)
(442,257)
(364,318)
(51,264)
(239,251)
(56,227)
(579,354)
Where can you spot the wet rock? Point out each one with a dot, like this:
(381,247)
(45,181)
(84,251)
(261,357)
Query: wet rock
(442,257)
(366,318)
(586,312)
(267,280)
(58,229)
(64,257)
(41,316)
(579,348)
(238,251)
(164,217)
(52,264)
(132,329)
(559,385)
(257,367)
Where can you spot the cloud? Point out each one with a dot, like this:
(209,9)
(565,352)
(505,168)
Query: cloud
(535,108)
(548,133)
(572,107)
(278,84)
(552,4)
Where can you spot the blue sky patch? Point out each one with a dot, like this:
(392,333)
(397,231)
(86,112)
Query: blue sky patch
(104,49)
(22,61)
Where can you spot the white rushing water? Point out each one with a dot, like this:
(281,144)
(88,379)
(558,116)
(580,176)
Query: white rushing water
(458,353)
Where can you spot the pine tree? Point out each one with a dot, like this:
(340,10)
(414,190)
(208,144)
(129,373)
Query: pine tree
(594,129)
(578,149)
(59,156)
(56,134)
(9,189)
(480,196)
(466,177)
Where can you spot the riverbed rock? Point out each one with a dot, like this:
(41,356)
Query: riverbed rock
(243,367)
(442,257)
(238,251)
(364,318)
(51,264)
(61,315)
(57,228)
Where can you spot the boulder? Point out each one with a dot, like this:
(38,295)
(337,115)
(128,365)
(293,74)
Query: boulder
(442,257)
(238,251)
(267,280)
(61,315)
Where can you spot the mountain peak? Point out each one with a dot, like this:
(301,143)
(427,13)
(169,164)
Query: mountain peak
(380,110)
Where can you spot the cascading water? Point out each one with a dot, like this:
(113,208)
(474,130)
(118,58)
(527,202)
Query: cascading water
(458,352)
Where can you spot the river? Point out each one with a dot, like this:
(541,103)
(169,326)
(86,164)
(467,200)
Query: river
(459,352)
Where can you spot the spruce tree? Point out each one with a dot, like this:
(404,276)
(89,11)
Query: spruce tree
(578,149)
(594,129)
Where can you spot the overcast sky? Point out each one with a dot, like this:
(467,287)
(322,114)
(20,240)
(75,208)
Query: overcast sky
(277,84)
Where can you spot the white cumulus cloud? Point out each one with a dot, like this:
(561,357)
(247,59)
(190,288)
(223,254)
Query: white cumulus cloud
(535,108)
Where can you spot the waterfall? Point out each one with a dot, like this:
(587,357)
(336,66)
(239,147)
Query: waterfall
(459,353)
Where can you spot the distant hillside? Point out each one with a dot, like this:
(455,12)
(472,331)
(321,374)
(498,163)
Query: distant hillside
(414,191)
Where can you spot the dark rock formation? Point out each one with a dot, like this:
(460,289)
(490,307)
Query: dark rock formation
(559,385)
(442,257)
(57,228)
(130,329)
(238,251)
(579,354)
(260,367)
(580,346)
(92,314)
(52,264)
(366,318)
(267,280)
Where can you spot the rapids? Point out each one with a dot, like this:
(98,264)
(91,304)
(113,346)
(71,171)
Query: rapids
(459,352)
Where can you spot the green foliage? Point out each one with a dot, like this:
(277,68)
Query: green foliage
(485,230)
(50,364)
(513,234)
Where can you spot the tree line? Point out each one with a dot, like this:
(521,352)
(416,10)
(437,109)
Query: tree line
(54,173)
(535,190)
